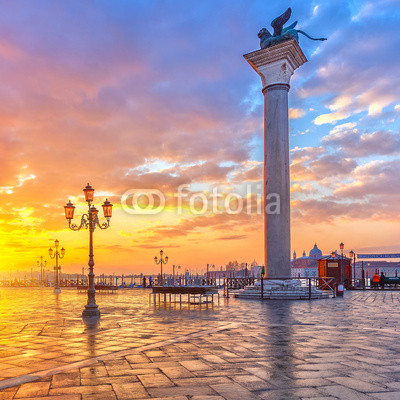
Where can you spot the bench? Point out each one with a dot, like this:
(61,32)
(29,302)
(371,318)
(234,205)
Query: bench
(195,294)
(388,281)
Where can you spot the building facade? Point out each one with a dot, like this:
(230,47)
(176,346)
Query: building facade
(306,266)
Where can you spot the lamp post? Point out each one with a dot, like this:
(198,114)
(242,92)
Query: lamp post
(362,275)
(42,266)
(341,245)
(161,261)
(353,256)
(89,221)
(57,255)
(333,255)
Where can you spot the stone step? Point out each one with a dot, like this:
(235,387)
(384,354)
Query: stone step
(282,294)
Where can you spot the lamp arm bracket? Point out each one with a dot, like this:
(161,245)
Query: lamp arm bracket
(103,225)
(84,223)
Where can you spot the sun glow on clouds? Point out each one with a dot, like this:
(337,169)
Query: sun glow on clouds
(21,179)
(330,118)
(89,98)
(295,113)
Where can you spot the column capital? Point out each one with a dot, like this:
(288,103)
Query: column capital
(276,64)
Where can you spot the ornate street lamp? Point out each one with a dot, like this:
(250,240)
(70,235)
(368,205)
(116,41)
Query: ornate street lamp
(90,221)
(57,254)
(161,261)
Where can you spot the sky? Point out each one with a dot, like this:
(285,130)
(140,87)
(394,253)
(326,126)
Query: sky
(133,95)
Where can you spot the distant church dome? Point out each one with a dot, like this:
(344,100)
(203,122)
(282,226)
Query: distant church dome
(315,252)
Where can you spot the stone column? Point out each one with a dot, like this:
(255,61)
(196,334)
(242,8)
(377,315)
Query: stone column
(275,65)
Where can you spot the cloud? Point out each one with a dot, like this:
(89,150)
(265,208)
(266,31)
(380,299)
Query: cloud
(222,222)
(90,95)
(357,144)
(347,72)
(330,118)
(371,194)
(321,167)
(338,129)
(376,178)
(296,113)
(314,211)
(233,237)
(301,188)
(252,171)
(306,153)
(156,247)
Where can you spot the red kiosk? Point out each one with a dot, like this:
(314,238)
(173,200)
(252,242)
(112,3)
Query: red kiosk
(336,266)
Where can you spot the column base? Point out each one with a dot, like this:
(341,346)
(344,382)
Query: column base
(90,312)
(57,290)
(290,289)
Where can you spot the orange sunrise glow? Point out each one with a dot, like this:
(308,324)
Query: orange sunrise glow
(93,97)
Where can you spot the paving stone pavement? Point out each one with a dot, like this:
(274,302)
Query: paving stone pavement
(343,348)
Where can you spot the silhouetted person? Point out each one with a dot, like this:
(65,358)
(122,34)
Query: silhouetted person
(382,280)
(144,282)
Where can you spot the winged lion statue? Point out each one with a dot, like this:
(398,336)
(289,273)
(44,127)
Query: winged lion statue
(281,34)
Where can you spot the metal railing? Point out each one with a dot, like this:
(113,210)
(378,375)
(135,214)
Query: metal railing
(319,282)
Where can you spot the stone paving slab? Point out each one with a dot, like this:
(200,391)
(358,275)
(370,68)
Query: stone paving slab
(330,349)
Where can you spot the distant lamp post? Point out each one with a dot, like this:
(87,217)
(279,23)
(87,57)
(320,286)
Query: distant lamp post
(57,254)
(161,261)
(353,257)
(89,221)
(42,266)
(341,245)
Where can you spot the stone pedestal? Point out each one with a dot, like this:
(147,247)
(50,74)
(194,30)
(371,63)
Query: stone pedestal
(275,65)
(283,290)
